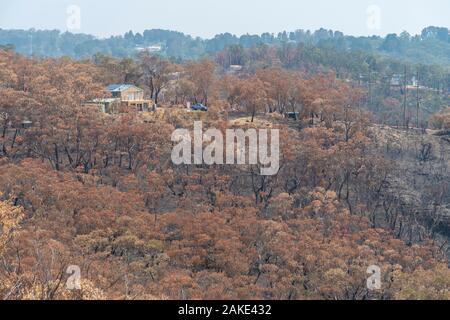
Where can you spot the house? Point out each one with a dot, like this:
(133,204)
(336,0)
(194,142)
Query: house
(26,124)
(106,105)
(150,49)
(396,80)
(234,68)
(130,96)
(123,96)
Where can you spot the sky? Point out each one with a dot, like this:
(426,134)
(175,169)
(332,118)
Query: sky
(206,18)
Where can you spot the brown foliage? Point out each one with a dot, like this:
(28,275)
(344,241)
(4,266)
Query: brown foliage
(99,191)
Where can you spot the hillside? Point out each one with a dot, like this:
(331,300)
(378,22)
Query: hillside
(418,185)
(384,67)
(91,183)
(431,47)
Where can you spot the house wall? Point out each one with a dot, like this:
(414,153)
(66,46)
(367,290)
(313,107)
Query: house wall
(138,94)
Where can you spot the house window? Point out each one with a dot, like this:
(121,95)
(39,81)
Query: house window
(136,95)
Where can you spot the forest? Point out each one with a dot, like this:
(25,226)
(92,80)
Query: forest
(363,178)
(374,62)
(431,46)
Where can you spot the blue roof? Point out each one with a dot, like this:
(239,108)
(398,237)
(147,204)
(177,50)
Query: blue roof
(120,87)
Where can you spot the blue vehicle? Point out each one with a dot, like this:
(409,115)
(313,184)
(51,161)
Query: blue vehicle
(199,107)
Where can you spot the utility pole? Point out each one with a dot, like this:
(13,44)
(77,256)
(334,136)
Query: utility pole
(31,45)
(418,97)
(370,89)
(405,98)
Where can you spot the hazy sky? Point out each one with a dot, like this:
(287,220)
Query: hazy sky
(206,18)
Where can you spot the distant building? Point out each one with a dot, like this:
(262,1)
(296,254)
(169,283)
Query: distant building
(235,68)
(396,80)
(154,48)
(106,105)
(26,124)
(123,96)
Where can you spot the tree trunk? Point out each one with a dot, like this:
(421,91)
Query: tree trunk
(56,157)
